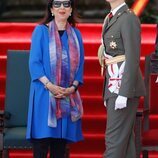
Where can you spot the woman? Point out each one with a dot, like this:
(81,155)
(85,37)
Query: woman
(123,81)
(56,68)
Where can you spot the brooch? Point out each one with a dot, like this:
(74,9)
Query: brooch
(113,45)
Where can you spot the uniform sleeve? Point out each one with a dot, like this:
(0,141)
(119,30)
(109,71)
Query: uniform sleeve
(79,73)
(131,36)
(35,60)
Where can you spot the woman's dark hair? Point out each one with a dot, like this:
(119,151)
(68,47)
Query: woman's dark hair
(48,15)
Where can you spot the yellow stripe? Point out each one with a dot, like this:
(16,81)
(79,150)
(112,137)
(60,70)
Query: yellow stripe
(139,6)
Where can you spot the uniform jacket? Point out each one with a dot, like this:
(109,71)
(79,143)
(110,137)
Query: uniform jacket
(122,36)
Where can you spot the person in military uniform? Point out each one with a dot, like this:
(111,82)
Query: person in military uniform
(119,56)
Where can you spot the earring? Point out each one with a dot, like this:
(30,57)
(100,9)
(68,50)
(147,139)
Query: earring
(52,14)
(70,14)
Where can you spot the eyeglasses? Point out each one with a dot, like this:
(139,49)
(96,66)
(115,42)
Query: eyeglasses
(57,4)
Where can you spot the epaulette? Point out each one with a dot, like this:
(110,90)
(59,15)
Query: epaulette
(126,11)
(129,11)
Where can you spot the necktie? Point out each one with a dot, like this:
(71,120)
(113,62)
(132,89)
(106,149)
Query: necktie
(110,16)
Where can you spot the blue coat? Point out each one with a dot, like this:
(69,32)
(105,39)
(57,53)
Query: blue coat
(39,65)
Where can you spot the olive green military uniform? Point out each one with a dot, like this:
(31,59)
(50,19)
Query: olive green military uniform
(122,36)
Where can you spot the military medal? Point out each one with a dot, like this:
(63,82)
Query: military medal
(113,45)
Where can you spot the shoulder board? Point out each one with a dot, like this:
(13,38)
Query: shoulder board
(130,11)
(126,11)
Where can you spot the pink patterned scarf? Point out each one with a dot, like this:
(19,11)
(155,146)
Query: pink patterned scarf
(72,105)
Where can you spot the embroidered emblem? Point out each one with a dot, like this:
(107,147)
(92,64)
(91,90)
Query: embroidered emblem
(113,45)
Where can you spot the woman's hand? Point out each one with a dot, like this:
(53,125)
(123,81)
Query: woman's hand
(69,91)
(57,91)
(60,92)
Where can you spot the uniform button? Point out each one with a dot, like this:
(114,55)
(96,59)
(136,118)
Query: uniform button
(112,36)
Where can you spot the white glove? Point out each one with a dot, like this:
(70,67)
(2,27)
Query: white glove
(156,80)
(105,103)
(121,102)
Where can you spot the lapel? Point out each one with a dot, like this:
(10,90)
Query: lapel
(105,24)
(116,16)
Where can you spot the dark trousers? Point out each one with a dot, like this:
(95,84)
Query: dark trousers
(41,147)
(120,139)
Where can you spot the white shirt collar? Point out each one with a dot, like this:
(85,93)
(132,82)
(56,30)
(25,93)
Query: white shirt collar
(117,8)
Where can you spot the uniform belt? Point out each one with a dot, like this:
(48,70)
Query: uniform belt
(110,61)
(114,60)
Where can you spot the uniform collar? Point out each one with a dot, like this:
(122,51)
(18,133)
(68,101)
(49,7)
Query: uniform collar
(117,8)
(118,13)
